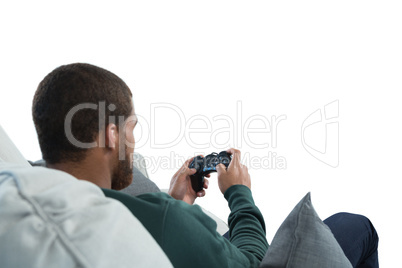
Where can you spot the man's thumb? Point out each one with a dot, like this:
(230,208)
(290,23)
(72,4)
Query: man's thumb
(191,171)
(220,168)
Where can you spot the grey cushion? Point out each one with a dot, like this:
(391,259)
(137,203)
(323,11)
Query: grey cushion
(39,163)
(303,240)
(140,184)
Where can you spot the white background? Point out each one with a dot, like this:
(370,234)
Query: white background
(287,58)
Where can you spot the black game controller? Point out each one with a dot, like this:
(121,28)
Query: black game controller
(206,165)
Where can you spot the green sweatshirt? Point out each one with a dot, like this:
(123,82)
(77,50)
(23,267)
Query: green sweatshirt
(189,237)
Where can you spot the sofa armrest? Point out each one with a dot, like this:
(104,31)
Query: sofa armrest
(9,152)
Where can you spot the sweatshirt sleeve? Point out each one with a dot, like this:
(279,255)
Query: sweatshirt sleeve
(201,246)
(246,223)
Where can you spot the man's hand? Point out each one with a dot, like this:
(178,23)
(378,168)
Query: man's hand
(180,185)
(235,174)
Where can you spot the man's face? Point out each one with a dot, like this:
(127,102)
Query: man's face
(123,173)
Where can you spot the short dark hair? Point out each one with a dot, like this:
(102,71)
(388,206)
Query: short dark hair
(66,87)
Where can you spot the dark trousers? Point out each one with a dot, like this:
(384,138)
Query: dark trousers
(357,237)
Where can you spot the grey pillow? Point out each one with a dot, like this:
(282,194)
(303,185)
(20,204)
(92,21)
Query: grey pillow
(303,240)
(140,184)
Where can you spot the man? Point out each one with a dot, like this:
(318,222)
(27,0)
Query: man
(84,117)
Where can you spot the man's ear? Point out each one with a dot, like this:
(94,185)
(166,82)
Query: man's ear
(111,136)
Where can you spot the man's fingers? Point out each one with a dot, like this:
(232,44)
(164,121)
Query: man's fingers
(206,183)
(201,193)
(235,157)
(233,151)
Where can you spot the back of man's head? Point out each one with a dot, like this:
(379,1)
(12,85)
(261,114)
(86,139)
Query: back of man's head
(75,93)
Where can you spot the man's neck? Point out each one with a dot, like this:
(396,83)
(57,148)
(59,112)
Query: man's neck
(89,170)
